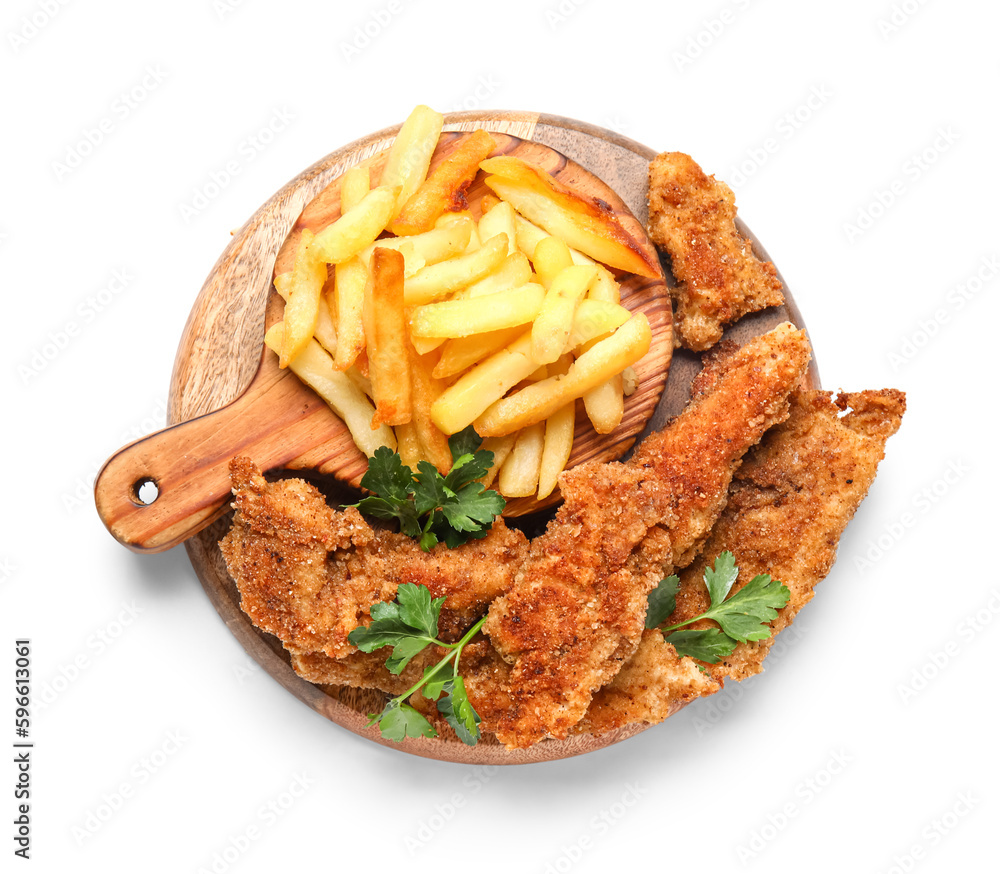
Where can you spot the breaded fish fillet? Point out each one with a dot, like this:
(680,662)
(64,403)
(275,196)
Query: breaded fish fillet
(791,501)
(692,216)
(788,505)
(577,609)
(309,574)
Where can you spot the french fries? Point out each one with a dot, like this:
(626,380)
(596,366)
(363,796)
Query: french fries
(460,318)
(315,368)
(410,155)
(304,286)
(551,328)
(540,400)
(356,228)
(441,279)
(388,356)
(407,312)
(584,223)
(444,188)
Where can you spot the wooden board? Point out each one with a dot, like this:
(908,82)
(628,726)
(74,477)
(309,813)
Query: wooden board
(229,315)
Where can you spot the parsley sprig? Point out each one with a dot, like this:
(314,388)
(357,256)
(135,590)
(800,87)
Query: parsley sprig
(431,507)
(409,625)
(740,618)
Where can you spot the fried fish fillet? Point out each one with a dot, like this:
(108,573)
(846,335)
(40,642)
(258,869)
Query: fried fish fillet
(791,501)
(788,505)
(309,574)
(577,609)
(692,216)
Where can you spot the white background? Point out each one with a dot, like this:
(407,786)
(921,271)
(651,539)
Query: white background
(867,745)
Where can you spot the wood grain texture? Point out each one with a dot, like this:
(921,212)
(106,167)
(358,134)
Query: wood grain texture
(206,376)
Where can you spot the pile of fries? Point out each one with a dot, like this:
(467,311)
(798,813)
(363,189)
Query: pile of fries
(501,324)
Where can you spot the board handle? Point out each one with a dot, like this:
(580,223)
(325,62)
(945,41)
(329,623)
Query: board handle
(160,490)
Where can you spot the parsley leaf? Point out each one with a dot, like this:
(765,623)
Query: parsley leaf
(662,601)
(409,625)
(741,618)
(428,506)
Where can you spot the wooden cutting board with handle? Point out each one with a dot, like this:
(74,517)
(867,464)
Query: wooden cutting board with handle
(223,402)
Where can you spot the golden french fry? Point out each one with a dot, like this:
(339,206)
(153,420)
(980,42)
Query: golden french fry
(514,270)
(410,155)
(529,235)
(349,280)
(488,201)
(408,445)
(357,228)
(436,245)
(583,223)
(500,447)
(540,400)
(605,287)
(315,368)
(551,329)
(605,405)
(550,258)
(426,389)
(460,318)
(304,288)
(423,345)
(354,185)
(499,220)
(388,355)
(461,353)
(518,476)
(326,329)
(594,318)
(558,446)
(476,389)
(441,279)
(444,188)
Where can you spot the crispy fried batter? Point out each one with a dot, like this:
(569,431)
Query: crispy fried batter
(788,504)
(652,685)
(577,609)
(309,574)
(692,216)
(791,501)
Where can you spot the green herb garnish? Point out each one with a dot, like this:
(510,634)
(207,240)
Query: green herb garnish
(740,618)
(431,507)
(409,625)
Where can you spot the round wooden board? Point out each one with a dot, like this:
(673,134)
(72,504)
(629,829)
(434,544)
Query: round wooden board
(229,315)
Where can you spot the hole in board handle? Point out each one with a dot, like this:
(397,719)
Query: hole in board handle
(145,491)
